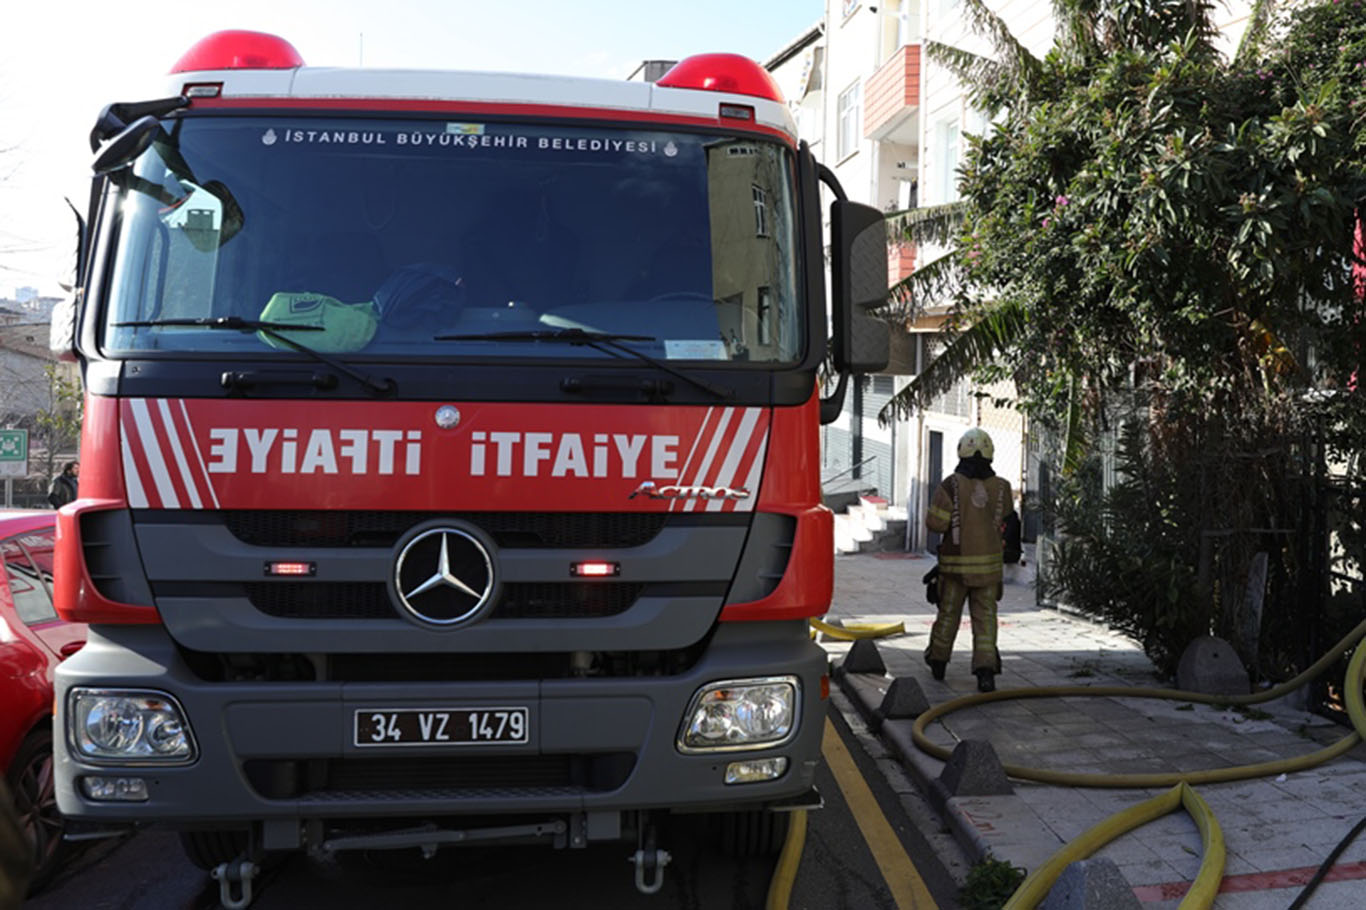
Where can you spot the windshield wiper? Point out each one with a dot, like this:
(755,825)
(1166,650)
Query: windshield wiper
(607,342)
(275,330)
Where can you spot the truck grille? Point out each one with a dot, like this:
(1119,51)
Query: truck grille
(566,530)
(370,600)
(447,777)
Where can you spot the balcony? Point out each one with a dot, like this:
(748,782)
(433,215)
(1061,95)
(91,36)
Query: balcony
(891,98)
(900,261)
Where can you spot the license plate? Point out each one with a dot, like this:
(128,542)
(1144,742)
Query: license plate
(440,726)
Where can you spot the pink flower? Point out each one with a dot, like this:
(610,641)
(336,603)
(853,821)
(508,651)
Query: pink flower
(1061,200)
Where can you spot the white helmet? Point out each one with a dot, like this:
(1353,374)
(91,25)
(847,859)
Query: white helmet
(976,442)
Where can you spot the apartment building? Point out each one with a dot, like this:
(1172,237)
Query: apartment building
(891,123)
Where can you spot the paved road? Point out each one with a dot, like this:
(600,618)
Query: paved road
(864,851)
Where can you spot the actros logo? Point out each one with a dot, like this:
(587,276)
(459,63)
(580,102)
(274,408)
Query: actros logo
(650,489)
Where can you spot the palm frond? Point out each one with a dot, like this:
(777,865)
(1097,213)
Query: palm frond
(934,280)
(1258,27)
(1014,55)
(1077,33)
(981,75)
(974,347)
(931,224)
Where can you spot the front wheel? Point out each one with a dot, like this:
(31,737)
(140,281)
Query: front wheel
(35,799)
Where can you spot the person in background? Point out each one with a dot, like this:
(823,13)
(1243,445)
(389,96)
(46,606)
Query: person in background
(968,509)
(63,487)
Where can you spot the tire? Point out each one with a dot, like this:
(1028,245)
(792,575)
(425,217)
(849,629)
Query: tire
(208,849)
(30,780)
(755,833)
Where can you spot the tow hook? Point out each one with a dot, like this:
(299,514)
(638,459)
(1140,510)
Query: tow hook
(650,862)
(237,872)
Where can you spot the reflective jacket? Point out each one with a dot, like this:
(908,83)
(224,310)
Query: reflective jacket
(969,513)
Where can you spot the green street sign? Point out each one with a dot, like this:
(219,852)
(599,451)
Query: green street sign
(13,453)
(13,445)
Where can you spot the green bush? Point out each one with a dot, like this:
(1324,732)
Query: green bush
(990,884)
(1128,555)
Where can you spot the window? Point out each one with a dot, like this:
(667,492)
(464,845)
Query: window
(28,567)
(976,122)
(764,315)
(906,196)
(847,112)
(550,226)
(946,144)
(905,26)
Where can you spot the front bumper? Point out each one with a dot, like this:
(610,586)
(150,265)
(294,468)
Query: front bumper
(283,750)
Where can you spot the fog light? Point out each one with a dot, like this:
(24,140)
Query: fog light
(757,769)
(115,789)
(128,726)
(741,714)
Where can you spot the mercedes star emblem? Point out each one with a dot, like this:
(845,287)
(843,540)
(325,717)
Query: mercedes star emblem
(447,416)
(444,576)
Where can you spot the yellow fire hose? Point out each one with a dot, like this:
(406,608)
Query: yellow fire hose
(1206,885)
(1201,894)
(785,870)
(1170,778)
(853,631)
(1037,885)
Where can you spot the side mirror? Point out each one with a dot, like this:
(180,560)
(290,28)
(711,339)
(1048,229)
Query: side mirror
(125,147)
(858,276)
(62,338)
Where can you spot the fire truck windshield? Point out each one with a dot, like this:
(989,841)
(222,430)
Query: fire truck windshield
(388,238)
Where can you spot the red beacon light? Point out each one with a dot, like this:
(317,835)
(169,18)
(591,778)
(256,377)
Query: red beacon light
(723,73)
(237,49)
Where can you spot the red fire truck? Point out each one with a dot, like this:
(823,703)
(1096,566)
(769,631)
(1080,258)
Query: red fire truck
(450,459)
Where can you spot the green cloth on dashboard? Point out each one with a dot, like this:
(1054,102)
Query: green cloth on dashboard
(345,326)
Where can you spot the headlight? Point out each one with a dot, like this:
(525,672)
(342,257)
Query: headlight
(128,726)
(741,714)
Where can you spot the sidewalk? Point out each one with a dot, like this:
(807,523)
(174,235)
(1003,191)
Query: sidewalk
(1277,831)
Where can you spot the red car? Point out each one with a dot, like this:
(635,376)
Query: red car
(33,640)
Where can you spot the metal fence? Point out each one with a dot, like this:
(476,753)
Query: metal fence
(24,493)
(1282,593)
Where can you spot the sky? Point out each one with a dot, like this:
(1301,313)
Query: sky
(63,60)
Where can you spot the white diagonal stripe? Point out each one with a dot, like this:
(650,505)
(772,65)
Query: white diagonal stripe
(137,498)
(697,437)
(160,477)
(203,470)
(756,473)
(737,452)
(716,436)
(173,434)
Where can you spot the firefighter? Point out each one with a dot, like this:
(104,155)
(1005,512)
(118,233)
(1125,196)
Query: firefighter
(968,509)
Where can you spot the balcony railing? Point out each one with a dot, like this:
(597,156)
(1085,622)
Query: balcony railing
(892,96)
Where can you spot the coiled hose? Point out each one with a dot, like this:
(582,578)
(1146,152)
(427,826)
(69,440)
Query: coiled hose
(1202,892)
(1355,711)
